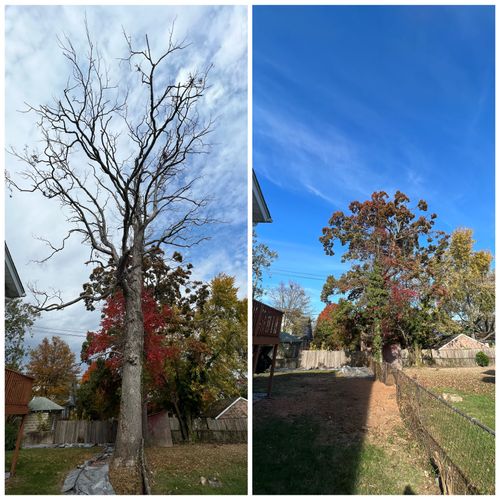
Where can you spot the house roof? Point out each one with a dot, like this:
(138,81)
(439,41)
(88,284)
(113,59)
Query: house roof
(220,407)
(13,286)
(289,338)
(43,404)
(260,211)
(446,340)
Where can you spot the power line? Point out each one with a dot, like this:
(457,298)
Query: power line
(315,275)
(297,275)
(52,329)
(58,334)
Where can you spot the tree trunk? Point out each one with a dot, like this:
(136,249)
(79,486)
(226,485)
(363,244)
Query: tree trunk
(185,424)
(129,435)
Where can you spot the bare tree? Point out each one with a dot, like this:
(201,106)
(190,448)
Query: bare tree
(119,167)
(295,304)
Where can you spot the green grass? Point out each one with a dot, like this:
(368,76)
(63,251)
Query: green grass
(468,446)
(479,406)
(42,471)
(292,458)
(177,470)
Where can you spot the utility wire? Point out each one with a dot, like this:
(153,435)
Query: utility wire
(48,328)
(314,275)
(56,334)
(297,275)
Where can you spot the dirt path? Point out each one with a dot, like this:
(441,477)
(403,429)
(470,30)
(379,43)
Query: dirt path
(347,412)
(347,405)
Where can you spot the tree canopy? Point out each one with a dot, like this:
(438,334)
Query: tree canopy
(52,364)
(469,281)
(19,318)
(292,299)
(407,283)
(194,349)
(262,258)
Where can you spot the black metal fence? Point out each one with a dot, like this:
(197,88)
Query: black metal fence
(460,447)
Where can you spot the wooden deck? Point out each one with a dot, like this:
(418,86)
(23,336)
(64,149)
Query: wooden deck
(266,328)
(17,396)
(17,392)
(266,324)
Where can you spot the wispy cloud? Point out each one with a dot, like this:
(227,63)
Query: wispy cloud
(36,71)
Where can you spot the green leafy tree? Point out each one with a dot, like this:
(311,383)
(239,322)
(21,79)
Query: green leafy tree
(19,318)
(262,258)
(98,396)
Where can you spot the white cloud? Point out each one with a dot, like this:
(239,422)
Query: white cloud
(36,72)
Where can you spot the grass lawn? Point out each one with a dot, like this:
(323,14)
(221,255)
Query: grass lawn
(178,470)
(475,385)
(42,471)
(479,406)
(305,467)
(322,434)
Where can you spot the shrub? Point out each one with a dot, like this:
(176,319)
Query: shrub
(482,359)
(11,428)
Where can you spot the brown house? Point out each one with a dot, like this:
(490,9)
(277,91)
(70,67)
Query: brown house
(236,407)
(460,341)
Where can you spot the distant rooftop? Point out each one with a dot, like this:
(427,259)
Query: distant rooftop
(43,404)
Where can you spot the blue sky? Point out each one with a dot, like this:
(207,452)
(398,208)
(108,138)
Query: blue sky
(351,100)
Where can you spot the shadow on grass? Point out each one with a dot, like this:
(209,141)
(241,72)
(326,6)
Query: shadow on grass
(490,376)
(286,460)
(307,438)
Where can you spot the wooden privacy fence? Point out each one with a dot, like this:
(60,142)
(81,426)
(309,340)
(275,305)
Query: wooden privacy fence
(450,357)
(85,431)
(316,359)
(209,430)
(206,430)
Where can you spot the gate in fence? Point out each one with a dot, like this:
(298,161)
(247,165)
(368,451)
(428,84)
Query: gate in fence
(460,447)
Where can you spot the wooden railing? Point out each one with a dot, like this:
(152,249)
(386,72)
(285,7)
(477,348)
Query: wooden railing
(17,392)
(266,324)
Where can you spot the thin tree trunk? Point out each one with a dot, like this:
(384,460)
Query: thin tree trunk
(129,435)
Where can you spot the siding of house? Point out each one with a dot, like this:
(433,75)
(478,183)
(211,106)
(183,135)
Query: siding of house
(463,342)
(35,420)
(238,410)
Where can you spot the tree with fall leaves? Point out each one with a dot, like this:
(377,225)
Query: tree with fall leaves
(338,327)
(395,254)
(117,156)
(209,360)
(469,284)
(52,364)
(195,342)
